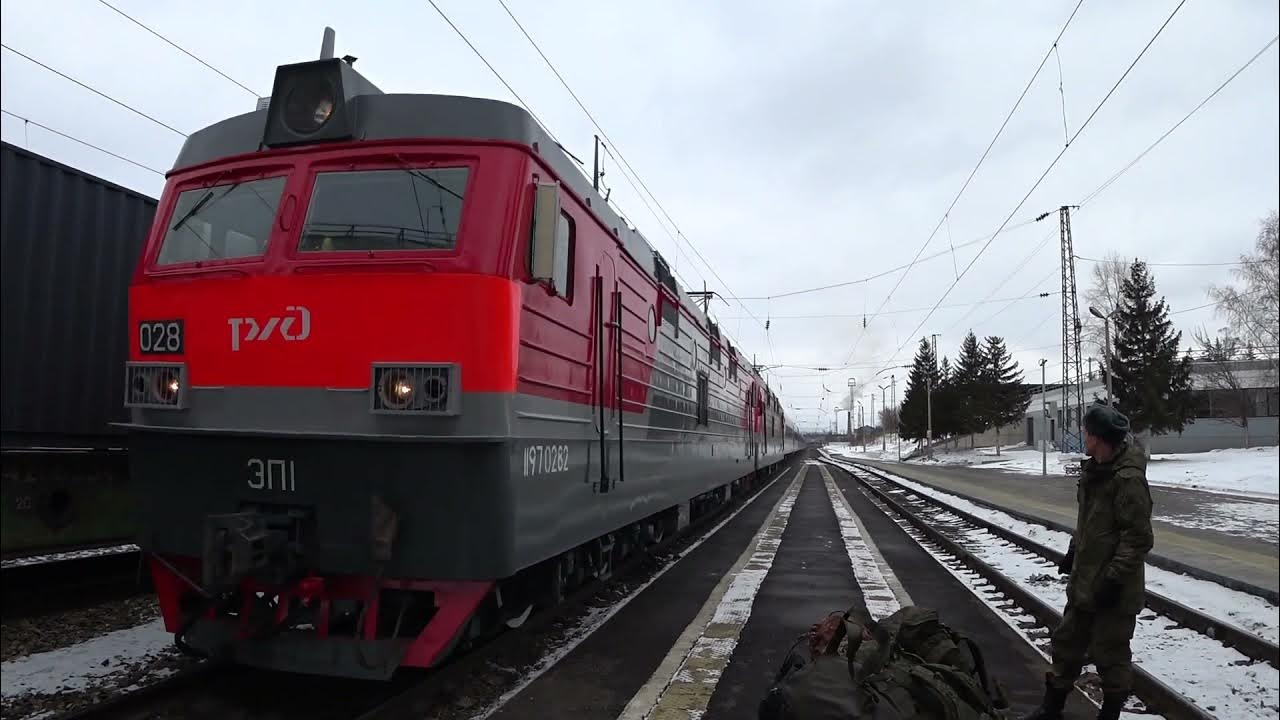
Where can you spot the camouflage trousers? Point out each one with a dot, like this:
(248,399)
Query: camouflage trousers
(1102,637)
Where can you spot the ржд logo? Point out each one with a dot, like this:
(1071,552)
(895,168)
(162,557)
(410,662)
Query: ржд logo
(247,329)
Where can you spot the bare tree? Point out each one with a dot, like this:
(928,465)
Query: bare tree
(1219,372)
(1252,307)
(1105,280)
(889,419)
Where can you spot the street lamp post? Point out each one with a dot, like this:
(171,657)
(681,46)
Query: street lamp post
(1044,422)
(1106,332)
(873,419)
(853,383)
(860,424)
(884,427)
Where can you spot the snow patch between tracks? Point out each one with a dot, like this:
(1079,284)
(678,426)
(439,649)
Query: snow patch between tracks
(883,593)
(87,664)
(688,690)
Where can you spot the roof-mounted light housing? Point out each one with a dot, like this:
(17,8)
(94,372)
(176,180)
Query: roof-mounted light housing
(310,103)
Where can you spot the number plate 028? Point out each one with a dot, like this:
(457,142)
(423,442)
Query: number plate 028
(160,337)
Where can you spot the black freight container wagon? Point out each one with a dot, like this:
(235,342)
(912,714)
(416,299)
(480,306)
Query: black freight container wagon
(69,242)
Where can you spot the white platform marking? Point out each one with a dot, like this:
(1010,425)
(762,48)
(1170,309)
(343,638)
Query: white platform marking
(682,685)
(883,594)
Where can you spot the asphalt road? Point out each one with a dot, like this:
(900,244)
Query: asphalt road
(1243,556)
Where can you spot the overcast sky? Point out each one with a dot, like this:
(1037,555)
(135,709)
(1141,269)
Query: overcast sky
(794,144)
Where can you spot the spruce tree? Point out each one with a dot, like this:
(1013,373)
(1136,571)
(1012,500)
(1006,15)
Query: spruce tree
(944,405)
(967,381)
(1007,399)
(913,421)
(1152,384)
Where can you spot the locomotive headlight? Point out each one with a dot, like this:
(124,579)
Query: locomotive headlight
(314,102)
(395,389)
(309,104)
(155,385)
(421,389)
(166,384)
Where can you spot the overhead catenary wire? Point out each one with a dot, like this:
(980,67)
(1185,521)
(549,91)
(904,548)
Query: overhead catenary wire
(972,173)
(1050,167)
(615,150)
(1119,173)
(880,274)
(85,143)
(1012,273)
(1033,292)
(1180,264)
(902,311)
(493,70)
(95,91)
(176,46)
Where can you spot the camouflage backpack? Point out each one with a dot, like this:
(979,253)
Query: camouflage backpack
(909,666)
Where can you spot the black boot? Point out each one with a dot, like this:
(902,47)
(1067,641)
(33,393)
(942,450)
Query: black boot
(1112,704)
(1054,700)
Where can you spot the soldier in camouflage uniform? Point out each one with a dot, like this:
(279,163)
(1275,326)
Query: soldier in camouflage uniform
(1105,560)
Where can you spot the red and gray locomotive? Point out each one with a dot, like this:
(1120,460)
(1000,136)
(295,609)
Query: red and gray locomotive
(398,374)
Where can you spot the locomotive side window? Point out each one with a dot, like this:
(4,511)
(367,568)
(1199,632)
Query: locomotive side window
(232,220)
(703,398)
(563,272)
(405,209)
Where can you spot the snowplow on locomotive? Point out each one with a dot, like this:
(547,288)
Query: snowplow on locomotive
(398,374)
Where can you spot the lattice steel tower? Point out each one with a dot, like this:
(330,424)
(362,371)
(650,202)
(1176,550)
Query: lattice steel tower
(1072,379)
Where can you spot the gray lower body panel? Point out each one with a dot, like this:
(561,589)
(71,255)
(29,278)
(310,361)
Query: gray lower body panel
(510,481)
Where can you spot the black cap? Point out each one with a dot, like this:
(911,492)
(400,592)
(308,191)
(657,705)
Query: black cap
(1106,422)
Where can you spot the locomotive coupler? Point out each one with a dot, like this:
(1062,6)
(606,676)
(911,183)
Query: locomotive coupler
(266,546)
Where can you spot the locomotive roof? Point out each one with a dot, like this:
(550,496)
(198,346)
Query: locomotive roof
(388,116)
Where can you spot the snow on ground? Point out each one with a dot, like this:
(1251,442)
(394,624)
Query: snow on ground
(1217,678)
(1246,611)
(1248,473)
(878,597)
(1253,471)
(1260,520)
(99,661)
(874,450)
(69,555)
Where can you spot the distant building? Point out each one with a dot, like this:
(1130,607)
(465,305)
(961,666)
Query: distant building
(1218,418)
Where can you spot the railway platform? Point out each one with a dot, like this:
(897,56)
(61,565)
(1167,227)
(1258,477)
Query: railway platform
(705,639)
(1248,560)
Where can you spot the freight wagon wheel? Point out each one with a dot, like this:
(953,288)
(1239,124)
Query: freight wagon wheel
(601,557)
(558,578)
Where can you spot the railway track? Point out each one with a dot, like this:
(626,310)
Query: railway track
(71,580)
(948,531)
(214,690)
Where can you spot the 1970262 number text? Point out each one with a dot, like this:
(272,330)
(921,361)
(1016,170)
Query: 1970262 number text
(545,459)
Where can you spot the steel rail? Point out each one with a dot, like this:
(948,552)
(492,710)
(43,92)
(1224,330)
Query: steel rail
(1160,561)
(61,584)
(1250,645)
(1152,691)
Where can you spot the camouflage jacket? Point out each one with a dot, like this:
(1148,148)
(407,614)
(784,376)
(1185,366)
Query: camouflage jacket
(1113,529)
